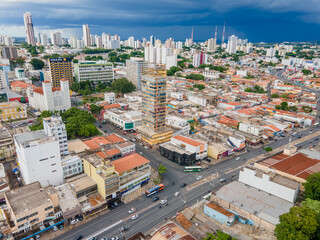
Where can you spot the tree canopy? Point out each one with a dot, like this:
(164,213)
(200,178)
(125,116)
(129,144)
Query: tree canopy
(122,85)
(195,76)
(37,63)
(300,223)
(95,109)
(312,186)
(161,169)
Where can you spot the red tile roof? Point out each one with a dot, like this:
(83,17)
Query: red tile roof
(114,138)
(129,162)
(110,106)
(21,84)
(96,142)
(188,140)
(298,164)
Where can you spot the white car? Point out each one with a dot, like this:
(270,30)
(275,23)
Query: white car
(176,194)
(54,228)
(164,201)
(134,217)
(199,178)
(238,158)
(73,222)
(145,147)
(132,210)
(222,180)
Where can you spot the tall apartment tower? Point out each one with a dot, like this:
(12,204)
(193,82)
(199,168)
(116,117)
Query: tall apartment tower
(211,45)
(53,126)
(60,68)
(154,93)
(86,35)
(134,71)
(31,39)
(232,44)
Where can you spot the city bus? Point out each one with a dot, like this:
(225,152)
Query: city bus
(154,190)
(193,169)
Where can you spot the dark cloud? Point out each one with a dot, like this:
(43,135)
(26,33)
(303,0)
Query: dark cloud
(263,20)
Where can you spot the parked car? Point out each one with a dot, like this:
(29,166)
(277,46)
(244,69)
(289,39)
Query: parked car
(156,198)
(134,217)
(115,238)
(164,201)
(54,228)
(199,178)
(61,227)
(183,185)
(222,180)
(145,147)
(73,222)
(238,158)
(93,238)
(37,236)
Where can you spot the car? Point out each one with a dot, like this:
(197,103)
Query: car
(293,134)
(156,198)
(140,144)
(115,238)
(80,218)
(105,131)
(141,153)
(124,132)
(310,132)
(73,222)
(176,194)
(132,210)
(222,180)
(54,228)
(93,238)
(238,158)
(199,178)
(37,236)
(79,237)
(164,201)
(115,204)
(183,185)
(100,126)
(134,217)
(61,227)
(20,184)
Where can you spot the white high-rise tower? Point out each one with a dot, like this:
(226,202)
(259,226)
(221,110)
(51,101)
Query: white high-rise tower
(29,28)
(86,35)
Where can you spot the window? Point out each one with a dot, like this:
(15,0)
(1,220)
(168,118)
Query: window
(54,171)
(48,208)
(43,159)
(53,164)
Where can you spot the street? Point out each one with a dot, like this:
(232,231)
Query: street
(108,224)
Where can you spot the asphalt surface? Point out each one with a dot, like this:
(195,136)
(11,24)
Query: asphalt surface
(150,215)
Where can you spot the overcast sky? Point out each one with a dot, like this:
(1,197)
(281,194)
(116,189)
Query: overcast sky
(257,20)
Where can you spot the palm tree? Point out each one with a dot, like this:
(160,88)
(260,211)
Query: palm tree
(19,109)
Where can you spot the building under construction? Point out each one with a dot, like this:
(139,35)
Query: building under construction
(154,93)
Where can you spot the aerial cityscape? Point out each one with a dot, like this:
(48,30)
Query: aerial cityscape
(158,131)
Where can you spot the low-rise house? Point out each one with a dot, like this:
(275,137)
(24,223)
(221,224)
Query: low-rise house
(197,146)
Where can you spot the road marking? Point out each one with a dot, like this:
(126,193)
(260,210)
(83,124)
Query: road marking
(105,229)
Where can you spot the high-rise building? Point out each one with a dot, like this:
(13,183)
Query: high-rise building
(134,68)
(199,58)
(86,35)
(44,39)
(154,93)
(98,41)
(131,41)
(171,61)
(29,28)
(271,52)
(232,44)
(56,39)
(95,71)
(152,40)
(8,41)
(10,52)
(60,68)
(211,45)
(39,158)
(53,126)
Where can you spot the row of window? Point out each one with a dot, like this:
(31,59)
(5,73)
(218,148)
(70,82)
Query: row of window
(26,217)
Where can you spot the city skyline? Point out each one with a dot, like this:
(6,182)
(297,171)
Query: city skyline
(275,22)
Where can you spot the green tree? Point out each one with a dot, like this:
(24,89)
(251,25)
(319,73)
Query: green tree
(300,223)
(190,66)
(248,89)
(306,72)
(95,109)
(37,63)
(161,169)
(307,109)
(312,186)
(195,76)
(122,85)
(199,86)
(267,149)
(75,60)
(20,61)
(275,95)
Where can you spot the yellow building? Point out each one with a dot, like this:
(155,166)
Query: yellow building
(215,150)
(12,110)
(60,68)
(29,206)
(104,174)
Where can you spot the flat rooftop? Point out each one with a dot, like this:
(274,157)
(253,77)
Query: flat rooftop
(36,138)
(67,201)
(298,164)
(174,148)
(264,205)
(81,182)
(27,198)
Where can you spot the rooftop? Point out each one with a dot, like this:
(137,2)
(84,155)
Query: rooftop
(171,231)
(188,140)
(175,148)
(28,197)
(81,182)
(33,138)
(220,209)
(129,162)
(67,201)
(265,206)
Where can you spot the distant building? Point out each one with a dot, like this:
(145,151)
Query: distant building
(134,68)
(10,52)
(212,45)
(200,58)
(48,98)
(60,68)
(86,35)
(232,44)
(56,39)
(39,158)
(31,39)
(95,71)
(110,97)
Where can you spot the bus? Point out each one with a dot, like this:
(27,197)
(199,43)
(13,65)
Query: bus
(193,169)
(154,190)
